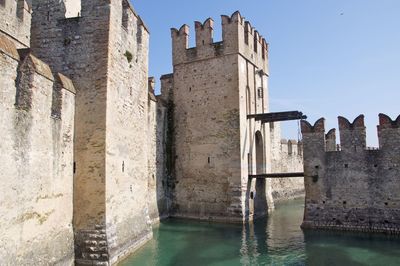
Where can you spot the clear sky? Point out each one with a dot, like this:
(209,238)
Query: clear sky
(327,57)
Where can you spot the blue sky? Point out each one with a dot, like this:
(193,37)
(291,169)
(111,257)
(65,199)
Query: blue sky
(327,58)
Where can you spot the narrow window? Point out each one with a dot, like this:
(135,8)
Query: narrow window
(123,166)
(249,163)
(246,36)
(248,102)
(260,92)
(263,53)
(290,148)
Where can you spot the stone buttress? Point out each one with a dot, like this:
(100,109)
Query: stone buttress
(104,49)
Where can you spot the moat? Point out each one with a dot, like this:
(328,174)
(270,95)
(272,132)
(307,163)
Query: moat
(277,240)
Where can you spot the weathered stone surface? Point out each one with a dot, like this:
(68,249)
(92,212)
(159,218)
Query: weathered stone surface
(36,169)
(105,53)
(15,21)
(7,47)
(354,189)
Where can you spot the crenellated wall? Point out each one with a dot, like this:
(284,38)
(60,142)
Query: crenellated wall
(15,21)
(105,52)
(287,157)
(238,37)
(350,187)
(37,111)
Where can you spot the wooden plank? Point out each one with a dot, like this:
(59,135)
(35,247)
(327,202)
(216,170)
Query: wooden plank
(278,175)
(278,116)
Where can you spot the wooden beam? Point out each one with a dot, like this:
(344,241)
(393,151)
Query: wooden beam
(278,116)
(277,175)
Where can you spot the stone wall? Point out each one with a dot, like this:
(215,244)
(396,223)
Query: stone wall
(287,157)
(353,188)
(15,21)
(105,52)
(36,173)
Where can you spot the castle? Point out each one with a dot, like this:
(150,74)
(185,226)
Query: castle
(91,157)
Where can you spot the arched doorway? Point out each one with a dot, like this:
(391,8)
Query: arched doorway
(260,199)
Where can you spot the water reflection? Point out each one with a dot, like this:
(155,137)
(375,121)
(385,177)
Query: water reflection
(277,240)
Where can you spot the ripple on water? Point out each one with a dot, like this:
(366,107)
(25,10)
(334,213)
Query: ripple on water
(277,240)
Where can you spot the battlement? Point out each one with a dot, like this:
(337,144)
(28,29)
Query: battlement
(130,18)
(352,134)
(19,8)
(330,140)
(238,37)
(15,21)
(386,122)
(291,147)
(167,84)
(151,87)
(102,26)
(79,15)
(204,32)
(34,78)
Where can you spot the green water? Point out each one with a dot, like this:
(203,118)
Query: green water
(277,240)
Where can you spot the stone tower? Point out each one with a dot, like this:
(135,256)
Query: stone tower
(104,49)
(215,85)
